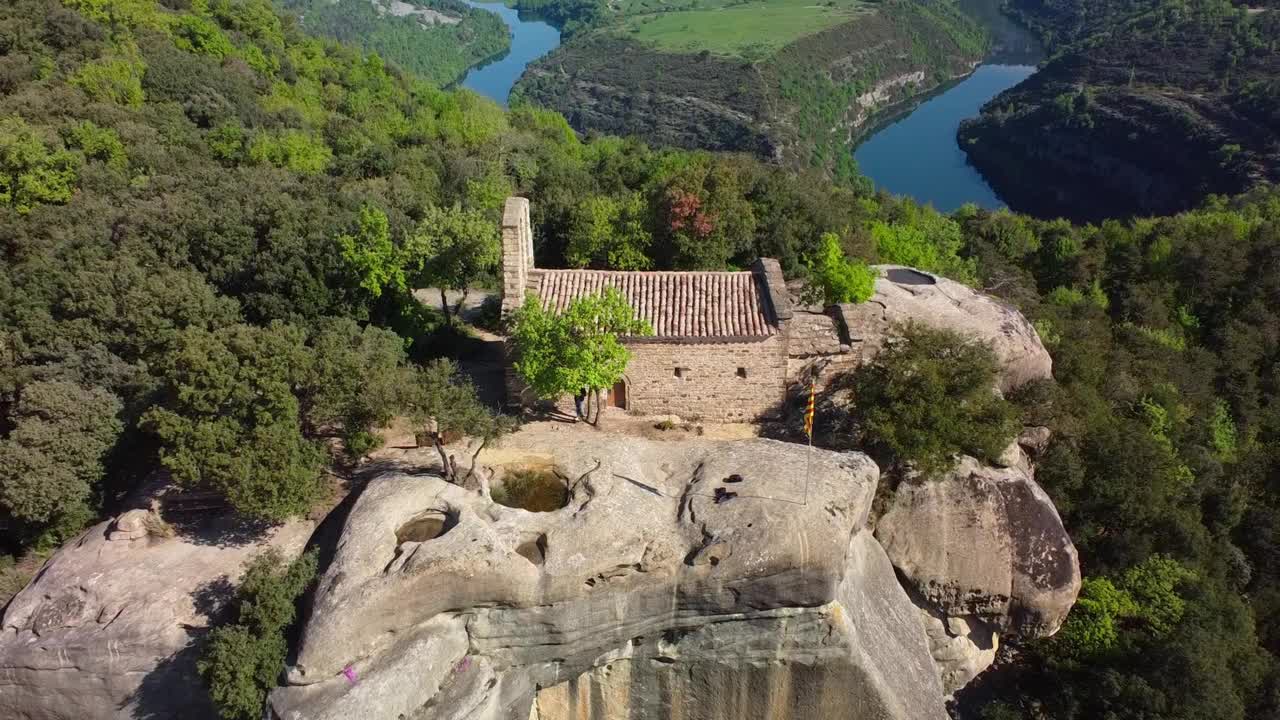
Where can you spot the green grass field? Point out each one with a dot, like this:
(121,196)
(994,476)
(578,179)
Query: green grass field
(752,30)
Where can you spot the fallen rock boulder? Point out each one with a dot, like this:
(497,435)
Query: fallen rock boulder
(904,295)
(700,579)
(107,629)
(984,542)
(962,646)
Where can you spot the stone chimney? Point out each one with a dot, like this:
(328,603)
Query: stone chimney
(517,252)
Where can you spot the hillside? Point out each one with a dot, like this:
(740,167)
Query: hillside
(1128,83)
(437,40)
(777,78)
(210,226)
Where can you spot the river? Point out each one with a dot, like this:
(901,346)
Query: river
(916,153)
(913,154)
(530,40)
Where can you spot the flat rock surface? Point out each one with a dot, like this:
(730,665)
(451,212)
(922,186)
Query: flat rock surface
(108,628)
(906,295)
(736,564)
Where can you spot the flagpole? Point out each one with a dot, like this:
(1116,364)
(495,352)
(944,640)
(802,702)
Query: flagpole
(808,429)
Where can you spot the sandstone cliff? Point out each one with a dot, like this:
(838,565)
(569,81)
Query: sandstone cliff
(110,627)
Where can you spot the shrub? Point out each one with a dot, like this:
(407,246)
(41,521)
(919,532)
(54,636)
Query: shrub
(930,396)
(115,80)
(99,143)
(243,660)
(231,420)
(834,278)
(532,490)
(30,172)
(201,35)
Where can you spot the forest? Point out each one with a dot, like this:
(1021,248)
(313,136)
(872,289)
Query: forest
(1125,80)
(211,222)
(439,52)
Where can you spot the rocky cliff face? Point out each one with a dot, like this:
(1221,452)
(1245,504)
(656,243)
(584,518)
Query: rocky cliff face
(696,579)
(711,580)
(904,295)
(706,573)
(109,627)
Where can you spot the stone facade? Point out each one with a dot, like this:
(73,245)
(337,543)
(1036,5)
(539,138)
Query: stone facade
(732,346)
(720,346)
(721,381)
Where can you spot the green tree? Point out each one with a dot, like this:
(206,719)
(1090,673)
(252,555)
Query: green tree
(99,143)
(578,349)
(231,421)
(356,381)
(242,661)
(371,254)
(1144,596)
(925,240)
(451,249)
(444,404)
(834,278)
(197,34)
(930,396)
(610,233)
(30,172)
(51,455)
(293,149)
(114,79)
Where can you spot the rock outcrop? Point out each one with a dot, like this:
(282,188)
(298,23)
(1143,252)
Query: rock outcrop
(983,542)
(962,646)
(106,628)
(905,295)
(701,579)
(698,579)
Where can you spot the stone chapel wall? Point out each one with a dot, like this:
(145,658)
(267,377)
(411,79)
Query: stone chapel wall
(728,382)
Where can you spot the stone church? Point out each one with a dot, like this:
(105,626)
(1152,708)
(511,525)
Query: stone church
(729,346)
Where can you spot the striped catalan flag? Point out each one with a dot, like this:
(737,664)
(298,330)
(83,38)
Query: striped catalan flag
(808,411)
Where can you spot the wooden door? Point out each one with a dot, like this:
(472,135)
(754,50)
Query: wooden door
(618,395)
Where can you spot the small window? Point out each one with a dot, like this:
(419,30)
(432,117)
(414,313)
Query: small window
(742,372)
(682,373)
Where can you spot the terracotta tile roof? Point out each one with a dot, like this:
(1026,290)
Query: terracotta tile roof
(689,305)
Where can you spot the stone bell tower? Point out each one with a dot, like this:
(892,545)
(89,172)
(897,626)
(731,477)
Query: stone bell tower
(517,252)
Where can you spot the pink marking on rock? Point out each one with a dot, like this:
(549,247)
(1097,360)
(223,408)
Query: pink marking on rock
(350,673)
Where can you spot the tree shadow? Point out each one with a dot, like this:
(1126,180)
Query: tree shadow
(225,529)
(173,689)
(213,599)
(834,424)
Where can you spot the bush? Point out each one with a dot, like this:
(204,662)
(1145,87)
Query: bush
(243,661)
(532,490)
(231,420)
(834,278)
(929,397)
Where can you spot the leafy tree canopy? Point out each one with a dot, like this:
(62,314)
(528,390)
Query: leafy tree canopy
(577,349)
(834,278)
(930,396)
(243,660)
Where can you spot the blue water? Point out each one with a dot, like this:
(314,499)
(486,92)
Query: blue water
(530,40)
(919,156)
